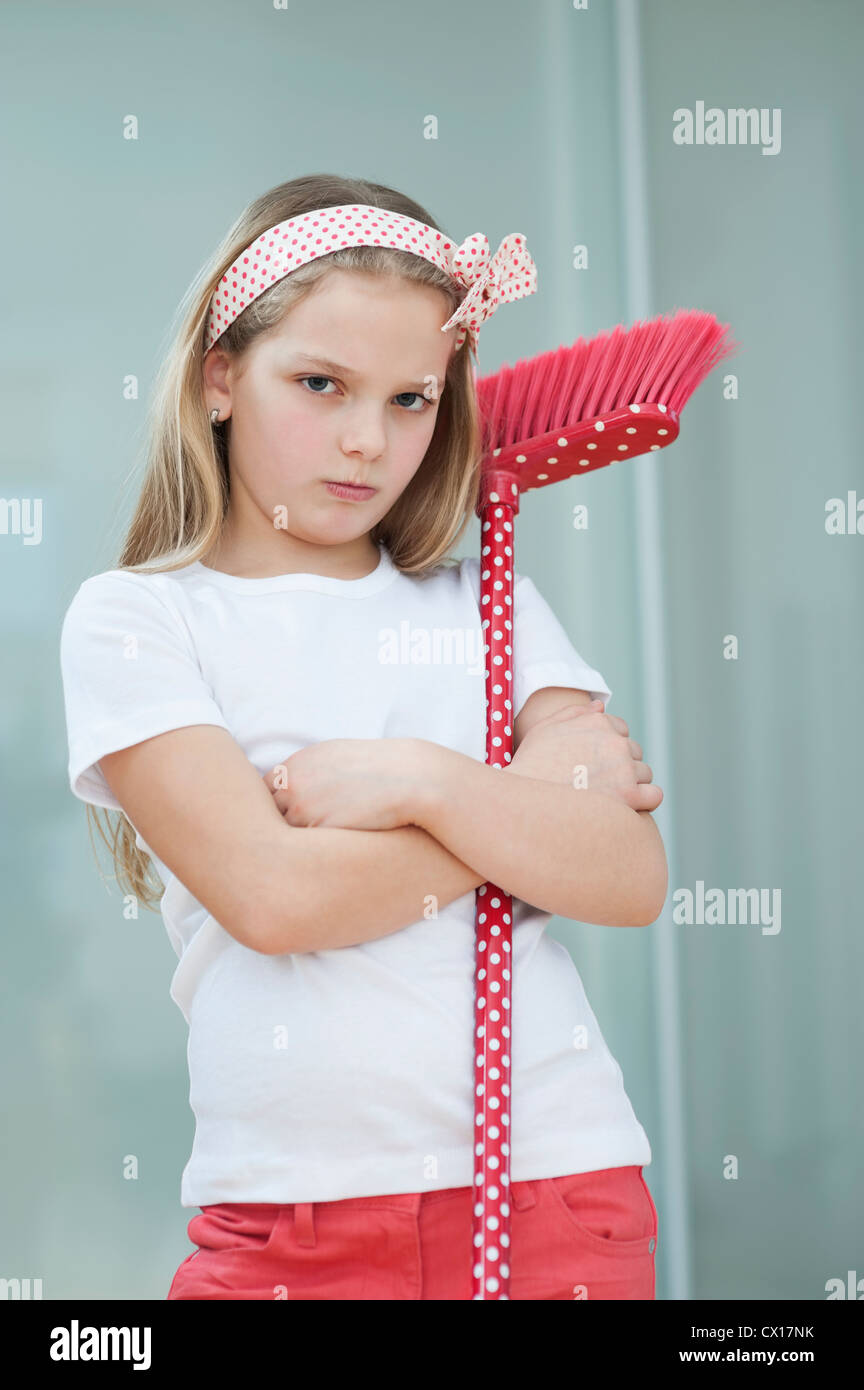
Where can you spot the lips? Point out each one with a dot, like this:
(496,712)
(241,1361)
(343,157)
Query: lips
(356,492)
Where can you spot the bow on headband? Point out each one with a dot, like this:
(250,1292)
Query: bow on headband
(510,274)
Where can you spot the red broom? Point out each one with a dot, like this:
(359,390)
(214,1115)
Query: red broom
(555,415)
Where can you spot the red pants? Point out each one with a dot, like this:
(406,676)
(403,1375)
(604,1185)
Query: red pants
(587,1235)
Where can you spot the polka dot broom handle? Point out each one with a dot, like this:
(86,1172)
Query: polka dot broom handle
(507,471)
(493,975)
(549,418)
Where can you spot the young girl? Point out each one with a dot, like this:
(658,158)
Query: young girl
(259,688)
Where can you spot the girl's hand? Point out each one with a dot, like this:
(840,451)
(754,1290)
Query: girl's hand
(353,783)
(584,747)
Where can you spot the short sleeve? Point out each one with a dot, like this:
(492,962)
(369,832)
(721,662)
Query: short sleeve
(543,653)
(129,672)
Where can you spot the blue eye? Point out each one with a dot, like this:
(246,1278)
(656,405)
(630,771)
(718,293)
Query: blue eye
(417,395)
(316,378)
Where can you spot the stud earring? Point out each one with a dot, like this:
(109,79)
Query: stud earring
(214,416)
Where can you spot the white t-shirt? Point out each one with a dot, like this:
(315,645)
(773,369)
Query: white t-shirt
(343,1072)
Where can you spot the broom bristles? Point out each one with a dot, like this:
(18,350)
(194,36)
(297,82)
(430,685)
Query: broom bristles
(660,360)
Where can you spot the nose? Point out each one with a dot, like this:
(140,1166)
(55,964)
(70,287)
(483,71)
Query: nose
(364,433)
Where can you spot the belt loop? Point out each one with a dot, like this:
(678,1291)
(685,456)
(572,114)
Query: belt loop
(304,1223)
(522,1195)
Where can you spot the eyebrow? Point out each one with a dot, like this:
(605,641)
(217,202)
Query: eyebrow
(339,369)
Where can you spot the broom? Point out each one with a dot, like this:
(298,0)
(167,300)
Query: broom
(550,417)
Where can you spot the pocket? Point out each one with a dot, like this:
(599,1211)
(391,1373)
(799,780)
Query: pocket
(655,1219)
(611,1209)
(236,1226)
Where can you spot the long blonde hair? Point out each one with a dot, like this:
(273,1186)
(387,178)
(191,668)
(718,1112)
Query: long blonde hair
(184,497)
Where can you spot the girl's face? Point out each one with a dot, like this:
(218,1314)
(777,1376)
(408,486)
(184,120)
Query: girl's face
(334,394)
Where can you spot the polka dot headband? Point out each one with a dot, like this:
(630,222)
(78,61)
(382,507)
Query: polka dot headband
(509,274)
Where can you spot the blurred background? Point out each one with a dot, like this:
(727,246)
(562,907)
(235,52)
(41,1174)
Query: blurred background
(740,1047)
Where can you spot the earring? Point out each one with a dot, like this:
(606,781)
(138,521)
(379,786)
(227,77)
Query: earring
(214,416)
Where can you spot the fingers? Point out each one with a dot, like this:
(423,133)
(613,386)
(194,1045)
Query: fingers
(279,793)
(644,774)
(591,712)
(615,720)
(618,724)
(646,797)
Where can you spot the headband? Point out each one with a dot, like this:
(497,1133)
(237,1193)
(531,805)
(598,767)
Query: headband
(510,274)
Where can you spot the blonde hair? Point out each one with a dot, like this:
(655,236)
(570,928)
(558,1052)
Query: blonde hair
(184,497)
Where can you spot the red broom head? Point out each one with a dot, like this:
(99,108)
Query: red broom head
(578,408)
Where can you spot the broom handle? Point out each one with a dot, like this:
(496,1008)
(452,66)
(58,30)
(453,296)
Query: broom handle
(493,975)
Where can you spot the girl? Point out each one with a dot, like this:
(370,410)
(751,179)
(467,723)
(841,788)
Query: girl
(261,687)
